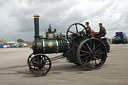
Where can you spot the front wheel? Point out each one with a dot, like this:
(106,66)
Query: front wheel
(39,65)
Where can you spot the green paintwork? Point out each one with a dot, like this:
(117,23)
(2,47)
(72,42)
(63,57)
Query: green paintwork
(48,49)
(79,39)
(61,48)
(106,44)
(66,47)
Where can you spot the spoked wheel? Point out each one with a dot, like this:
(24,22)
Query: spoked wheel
(91,54)
(76,33)
(29,58)
(40,65)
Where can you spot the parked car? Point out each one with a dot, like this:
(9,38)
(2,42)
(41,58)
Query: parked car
(19,45)
(25,45)
(6,46)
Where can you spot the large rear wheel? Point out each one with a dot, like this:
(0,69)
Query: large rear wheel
(91,54)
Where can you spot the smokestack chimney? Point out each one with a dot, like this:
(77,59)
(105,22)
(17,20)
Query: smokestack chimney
(36,26)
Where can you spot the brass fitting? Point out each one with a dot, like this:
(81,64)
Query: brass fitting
(36,16)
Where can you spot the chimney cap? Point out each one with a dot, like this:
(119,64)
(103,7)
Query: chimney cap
(36,16)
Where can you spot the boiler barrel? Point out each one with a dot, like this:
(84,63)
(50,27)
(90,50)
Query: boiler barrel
(55,46)
(51,46)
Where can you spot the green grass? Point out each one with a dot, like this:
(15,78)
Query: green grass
(29,46)
(110,42)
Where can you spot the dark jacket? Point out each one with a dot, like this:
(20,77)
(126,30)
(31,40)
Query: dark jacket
(102,30)
(89,30)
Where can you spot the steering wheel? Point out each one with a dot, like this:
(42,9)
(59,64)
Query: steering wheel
(75,33)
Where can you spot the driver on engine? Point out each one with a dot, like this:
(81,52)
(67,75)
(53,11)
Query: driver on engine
(88,29)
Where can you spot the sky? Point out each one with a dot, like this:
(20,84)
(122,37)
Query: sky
(16,16)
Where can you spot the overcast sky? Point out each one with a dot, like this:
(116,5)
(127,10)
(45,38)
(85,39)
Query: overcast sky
(16,19)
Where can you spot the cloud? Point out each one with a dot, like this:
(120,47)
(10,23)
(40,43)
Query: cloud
(17,21)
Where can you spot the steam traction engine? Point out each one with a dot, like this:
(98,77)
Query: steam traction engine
(90,53)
